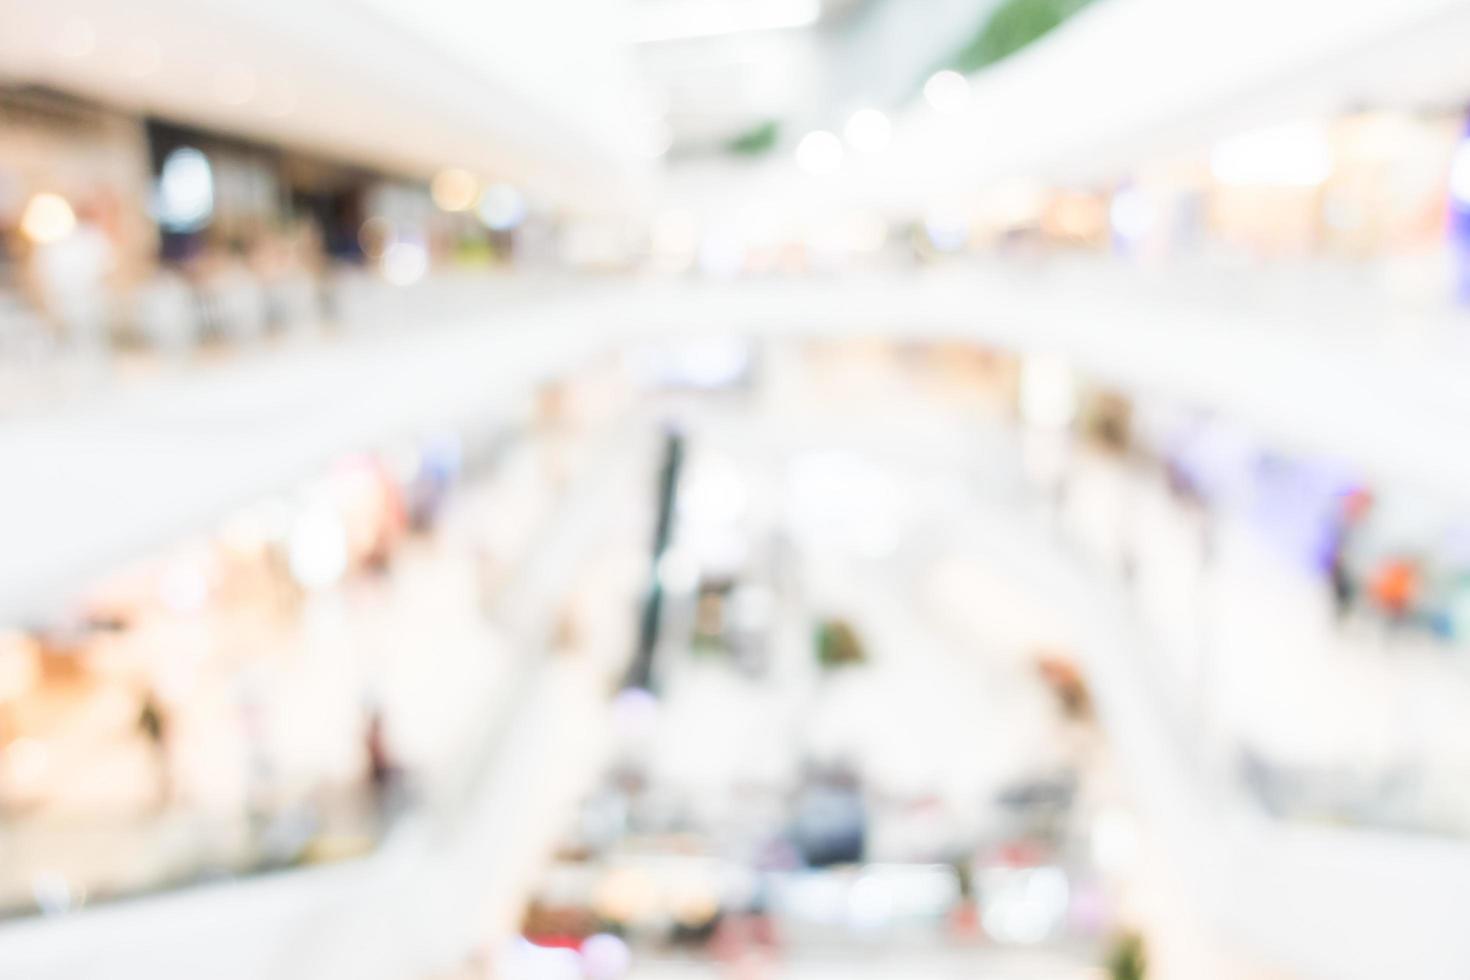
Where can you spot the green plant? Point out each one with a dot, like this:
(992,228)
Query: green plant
(1127,959)
(756,141)
(1013,25)
(838,644)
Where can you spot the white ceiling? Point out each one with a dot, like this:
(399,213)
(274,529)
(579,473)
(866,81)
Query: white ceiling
(1124,82)
(721,67)
(557,95)
(533,92)
(1130,78)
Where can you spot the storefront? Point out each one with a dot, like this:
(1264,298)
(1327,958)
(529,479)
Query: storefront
(74,234)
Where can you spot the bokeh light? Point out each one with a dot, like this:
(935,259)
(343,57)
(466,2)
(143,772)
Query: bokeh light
(454,189)
(501,207)
(868,131)
(47,218)
(947,91)
(820,153)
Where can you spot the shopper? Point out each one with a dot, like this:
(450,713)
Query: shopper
(153,726)
(1395,589)
(1351,514)
(382,771)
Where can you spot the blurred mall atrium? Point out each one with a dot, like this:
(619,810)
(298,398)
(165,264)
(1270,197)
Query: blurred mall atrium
(735,489)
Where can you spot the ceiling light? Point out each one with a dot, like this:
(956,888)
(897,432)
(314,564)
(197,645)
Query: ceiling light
(47,218)
(819,153)
(502,207)
(454,189)
(947,91)
(185,199)
(868,131)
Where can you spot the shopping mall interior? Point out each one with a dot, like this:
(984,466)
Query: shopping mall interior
(734,489)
